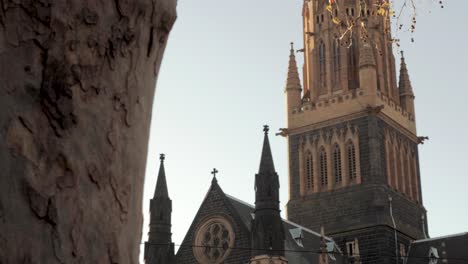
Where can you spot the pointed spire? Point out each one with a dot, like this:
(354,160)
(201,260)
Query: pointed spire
(405,83)
(161,184)
(293,82)
(267,226)
(366,56)
(159,248)
(266,161)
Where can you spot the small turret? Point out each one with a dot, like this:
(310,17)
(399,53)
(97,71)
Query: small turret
(267,227)
(293,84)
(405,88)
(367,68)
(159,248)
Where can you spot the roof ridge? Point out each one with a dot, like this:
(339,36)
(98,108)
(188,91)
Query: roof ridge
(441,237)
(306,229)
(239,200)
(284,219)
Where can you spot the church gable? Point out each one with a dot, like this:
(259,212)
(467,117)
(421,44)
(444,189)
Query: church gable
(217,231)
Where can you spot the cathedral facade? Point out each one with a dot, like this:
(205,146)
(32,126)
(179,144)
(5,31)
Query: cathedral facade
(354,178)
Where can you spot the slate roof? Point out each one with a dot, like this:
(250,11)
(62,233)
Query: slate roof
(451,249)
(295,253)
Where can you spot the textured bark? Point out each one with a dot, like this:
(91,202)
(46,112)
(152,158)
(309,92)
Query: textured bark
(77,81)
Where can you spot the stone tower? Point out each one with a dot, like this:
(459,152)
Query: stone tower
(159,248)
(267,226)
(353,146)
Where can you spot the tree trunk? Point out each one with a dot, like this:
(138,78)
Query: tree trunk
(77,80)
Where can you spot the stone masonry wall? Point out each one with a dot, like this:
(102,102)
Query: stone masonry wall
(376,245)
(359,207)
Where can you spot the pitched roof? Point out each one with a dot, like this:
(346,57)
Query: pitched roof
(453,248)
(296,252)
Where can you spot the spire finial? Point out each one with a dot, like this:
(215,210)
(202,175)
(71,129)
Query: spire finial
(266,128)
(214,171)
(292,45)
(162,157)
(402,54)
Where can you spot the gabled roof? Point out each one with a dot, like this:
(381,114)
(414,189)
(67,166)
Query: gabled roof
(298,251)
(303,252)
(453,248)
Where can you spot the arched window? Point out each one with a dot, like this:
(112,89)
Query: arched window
(337,164)
(398,169)
(352,65)
(391,164)
(352,172)
(336,64)
(323,167)
(414,177)
(309,171)
(406,175)
(322,68)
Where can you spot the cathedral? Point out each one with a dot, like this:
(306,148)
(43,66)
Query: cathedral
(354,178)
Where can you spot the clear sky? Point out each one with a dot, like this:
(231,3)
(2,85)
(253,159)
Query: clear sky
(223,77)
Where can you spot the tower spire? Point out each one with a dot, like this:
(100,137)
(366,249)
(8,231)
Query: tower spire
(266,161)
(267,227)
(293,88)
(367,68)
(293,82)
(159,249)
(161,184)
(404,83)
(405,88)
(366,56)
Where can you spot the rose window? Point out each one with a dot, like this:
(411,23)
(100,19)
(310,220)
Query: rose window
(214,240)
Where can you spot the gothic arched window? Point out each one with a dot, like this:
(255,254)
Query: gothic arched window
(406,175)
(391,164)
(309,171)
(352,65)
(336,64)
(322,68)
(337,163)
(414,177)
(323,167)
(398,169)
(351,151)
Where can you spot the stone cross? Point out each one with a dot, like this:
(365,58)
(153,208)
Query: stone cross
(214,172)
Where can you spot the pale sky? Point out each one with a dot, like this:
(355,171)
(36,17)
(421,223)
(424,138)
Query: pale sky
(223,77)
